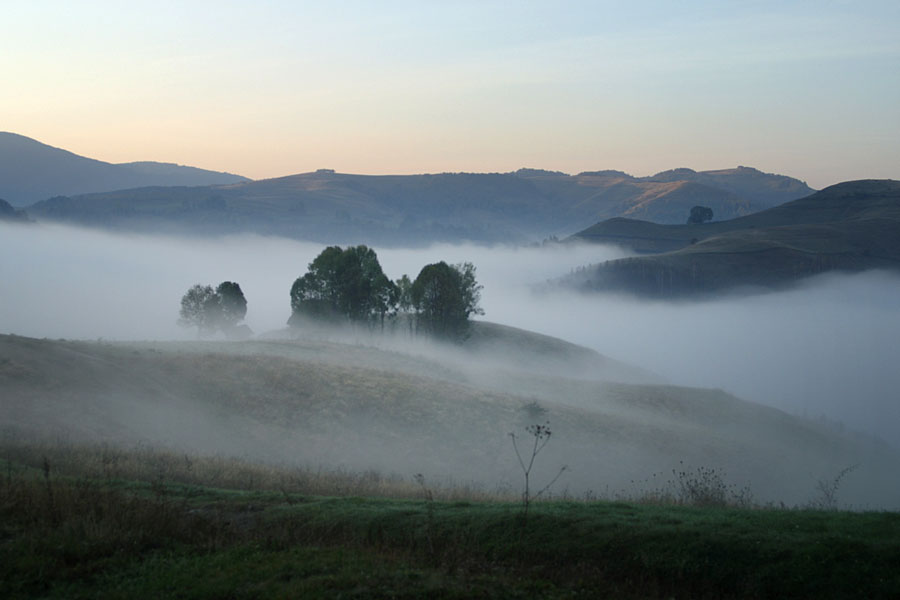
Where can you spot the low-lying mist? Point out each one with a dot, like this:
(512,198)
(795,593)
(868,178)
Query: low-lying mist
(826,349)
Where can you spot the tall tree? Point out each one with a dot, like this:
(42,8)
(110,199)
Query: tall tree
(199,307)
(404,304)
(233,304)
(700,214)
(343,285)
(212,310)
(444,297)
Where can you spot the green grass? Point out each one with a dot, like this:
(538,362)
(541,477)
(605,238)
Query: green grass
(67,536)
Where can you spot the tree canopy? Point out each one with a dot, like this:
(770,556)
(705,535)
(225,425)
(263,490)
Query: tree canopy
(347,285)
(700,214)
(343,285)
(444,297)
(233,305)
(212,310)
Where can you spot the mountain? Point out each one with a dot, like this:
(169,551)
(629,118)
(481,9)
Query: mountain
(330,207)
(31,171)
(851,226)
(9,213)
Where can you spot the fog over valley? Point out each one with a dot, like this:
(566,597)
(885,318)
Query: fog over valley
(826,349)
(450,299)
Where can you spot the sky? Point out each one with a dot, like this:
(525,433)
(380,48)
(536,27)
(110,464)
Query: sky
(273,88)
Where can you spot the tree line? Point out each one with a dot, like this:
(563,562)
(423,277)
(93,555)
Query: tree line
(348,286)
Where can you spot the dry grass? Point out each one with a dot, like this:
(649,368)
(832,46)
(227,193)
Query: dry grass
(64,536)
(338,419)
(108,462)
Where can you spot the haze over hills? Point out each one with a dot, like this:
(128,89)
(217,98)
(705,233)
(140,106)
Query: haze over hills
(442,413)
(31,171)
(9,213)
(526,206)
(851,226)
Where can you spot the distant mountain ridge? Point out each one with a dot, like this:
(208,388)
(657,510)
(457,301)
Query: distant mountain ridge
(9,213)
(31,171)
(338,208)
(851,226)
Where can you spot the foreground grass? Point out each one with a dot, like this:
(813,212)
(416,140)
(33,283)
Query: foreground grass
(86,537)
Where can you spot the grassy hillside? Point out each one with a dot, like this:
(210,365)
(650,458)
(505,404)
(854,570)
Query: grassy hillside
(353,465)
(421,410)
(69,533)
(848,227)
(333,207)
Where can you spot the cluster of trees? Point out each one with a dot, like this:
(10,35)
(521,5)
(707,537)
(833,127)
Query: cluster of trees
(700,214)
(347,285)
(343,284)
(214,309)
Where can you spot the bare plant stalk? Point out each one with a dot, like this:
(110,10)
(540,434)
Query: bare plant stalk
(541,435)
(429,511)
(828,489)
(51,502)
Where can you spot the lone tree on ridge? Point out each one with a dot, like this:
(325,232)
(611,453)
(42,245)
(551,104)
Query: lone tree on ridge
(700,214)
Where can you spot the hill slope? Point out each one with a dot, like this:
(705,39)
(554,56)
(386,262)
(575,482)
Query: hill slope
(851,226)
(321,403)
(341,208)
(31,171)
(9,213)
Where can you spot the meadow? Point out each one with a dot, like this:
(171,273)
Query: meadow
(353,464)
(95,521)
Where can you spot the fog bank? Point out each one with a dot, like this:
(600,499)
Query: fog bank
(828,348)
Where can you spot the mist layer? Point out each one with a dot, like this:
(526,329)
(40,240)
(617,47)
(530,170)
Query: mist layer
(827,349)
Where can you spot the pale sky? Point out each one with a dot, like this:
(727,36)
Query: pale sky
(273,88)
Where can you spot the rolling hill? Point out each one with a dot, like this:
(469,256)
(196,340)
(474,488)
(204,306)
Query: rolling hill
(31,171)
(851,226)
(9,213)
(330,207)
(418,409)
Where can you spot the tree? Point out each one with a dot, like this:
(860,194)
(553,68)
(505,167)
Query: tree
(315,293)
(343,285)
(700,214)
(232,304)
(444,297)
(212,310)
(198,307)
(404,299)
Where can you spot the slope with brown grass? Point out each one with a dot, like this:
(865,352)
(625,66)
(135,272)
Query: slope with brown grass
(331,405)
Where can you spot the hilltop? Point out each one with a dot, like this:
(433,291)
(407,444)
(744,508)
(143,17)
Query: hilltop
(337,208)
(9,213)
(851,226)
(31,171)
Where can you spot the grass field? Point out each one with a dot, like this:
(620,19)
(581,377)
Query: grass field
(358,469)
(113,523)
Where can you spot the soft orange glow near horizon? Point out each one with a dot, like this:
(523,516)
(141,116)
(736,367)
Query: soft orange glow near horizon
(284,88)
